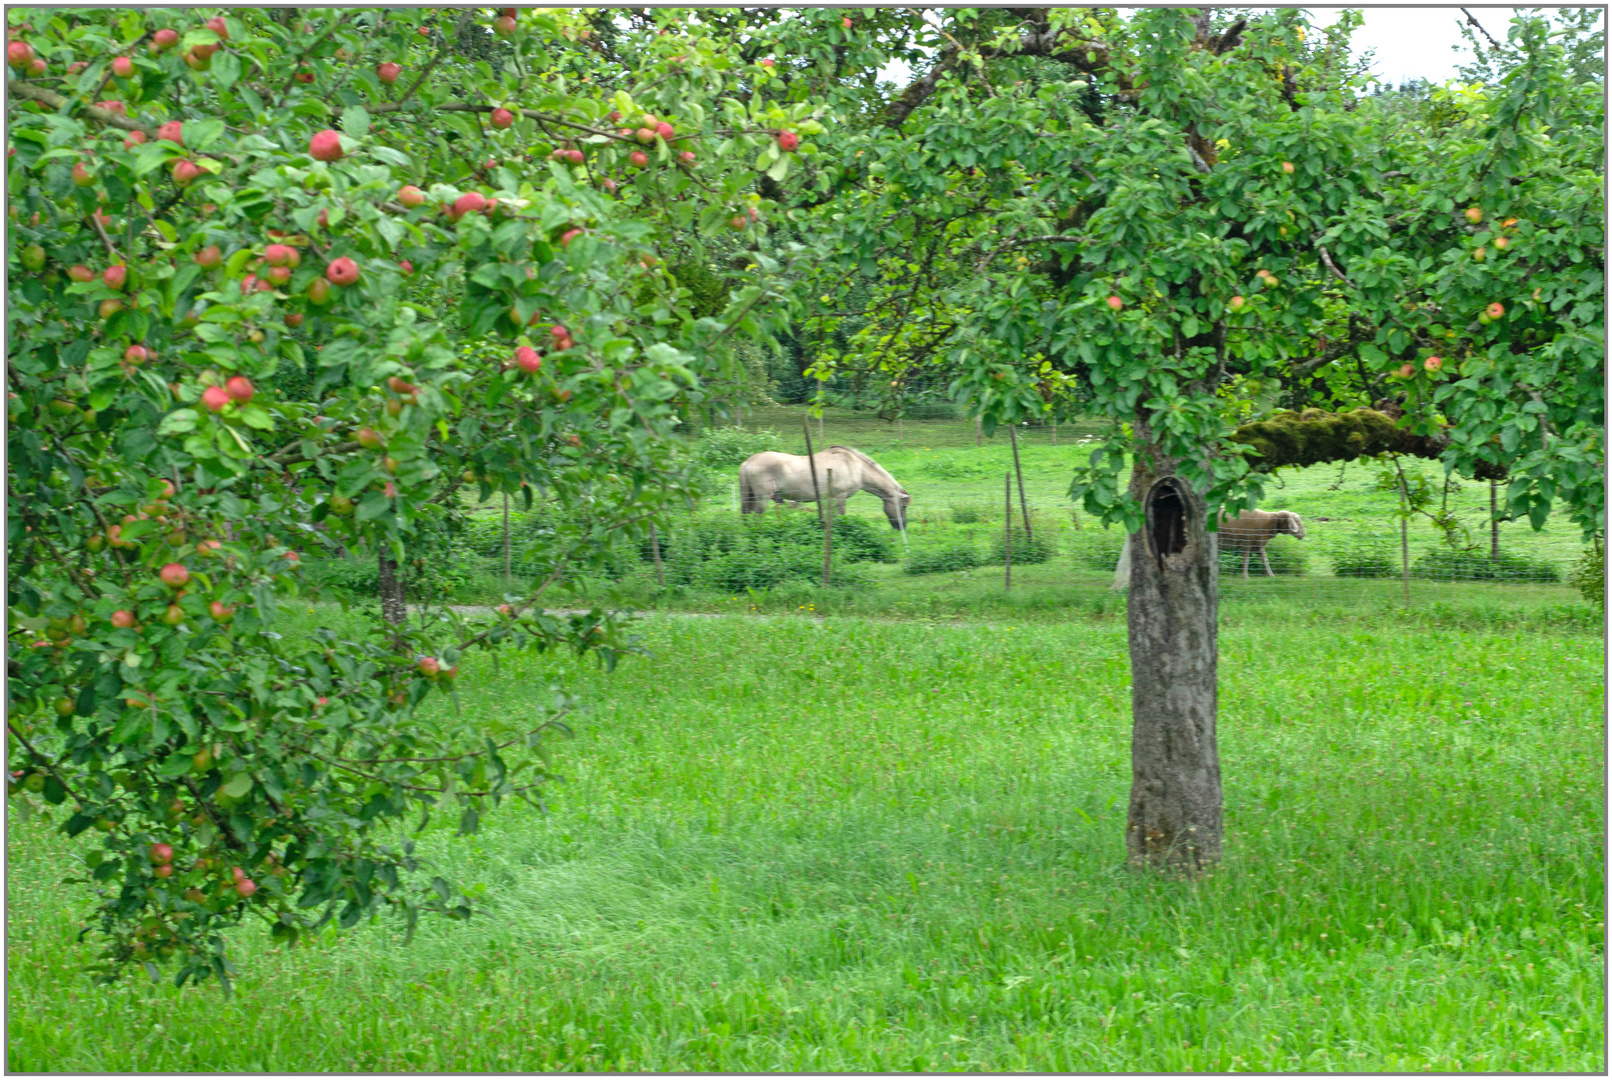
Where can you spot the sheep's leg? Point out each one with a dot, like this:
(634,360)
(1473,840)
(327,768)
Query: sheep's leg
(1247,552)
(1267,560)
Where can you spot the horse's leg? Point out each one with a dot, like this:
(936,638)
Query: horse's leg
(1246,553)
(1267,559)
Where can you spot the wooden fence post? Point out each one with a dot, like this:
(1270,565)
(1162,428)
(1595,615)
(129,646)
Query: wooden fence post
(507,568)
(811,461)
(1013,435)
(828,534)
(1007,525)
(654,548)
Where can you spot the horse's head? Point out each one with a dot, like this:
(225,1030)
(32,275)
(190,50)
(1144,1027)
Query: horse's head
(1291,523)
(895,508)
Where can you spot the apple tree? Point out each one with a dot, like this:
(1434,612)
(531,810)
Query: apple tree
(283,280)
(1185,210)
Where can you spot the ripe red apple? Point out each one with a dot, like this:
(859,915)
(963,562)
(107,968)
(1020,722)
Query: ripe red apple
(80,273)
(303,77)
(528,360)
(164,39)
(471,202)
(19,54)
(1115,303)
(318,290)
(245,887)
(504,26)
(788,141)
(665,130)
(240,389)
(1474,214)
(136,354)
(174,575)
(342,271)
(766,63)
(82,177)
(199,57)
(293,319)
(406,266)
(388,72)
(109,308)
(220,611)
(185,171)
(122,619)
(174,615)
(1501,243)
(1495,310)
(164,871)
(218,26)
(501,118)
(568,236)
(161,853)
(575,156)
(115,276)
(135,138)
(113,107)
(326,146)
(368,438)
(1237,303)
(1287,167)
(1407,370)
(686,157)
(410,196)
(429,667)
(209,257)
(1480,253)
(638,158)
(281,255)
(173,131)
(846,22)
(123,67)
(214,398)
(1433,363)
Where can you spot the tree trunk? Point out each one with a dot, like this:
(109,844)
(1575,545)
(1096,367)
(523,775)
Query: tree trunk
(1494,524)
(1175,812)
(393,609)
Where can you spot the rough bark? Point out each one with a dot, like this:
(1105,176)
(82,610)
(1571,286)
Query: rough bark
(393,609)
(1175,812)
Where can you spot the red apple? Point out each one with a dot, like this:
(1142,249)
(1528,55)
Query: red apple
(638,158)
(368,438)
(1237,303)
(245,887)
(326,146)
(410,196)
(766,63)
(501,118)
(122,619)
(1474,214)
(665,130)
(166,870)
(218,26)
(788,141)
(122,67)
(199,58)
(209,257)
(575,157)
(568,236)
(1433,363)
(1115,303)
(388,72)
(342,271)
(1501,243)
(113,107)
(240,389)
(115,276)
(164,39)
(185,171)
(429,667)
(1407,370)
(110,308)
(136,354)
(135,138)
(504,26)
(528,360)
(293,319)
(162,853)
(1495,310)
(82,177)
(686,157)
(19,54)
(173,131)
(281,255)
(405,266)
(174,575)
(318,290)
(608,184)
(81,273)
(1287,167)
(214,398)
(220,611)
(303,77)
(174,615)
(471,202)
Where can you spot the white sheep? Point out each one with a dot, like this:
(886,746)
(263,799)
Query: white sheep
(1248,532)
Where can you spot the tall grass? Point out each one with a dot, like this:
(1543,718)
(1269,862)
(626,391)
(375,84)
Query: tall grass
(835,844)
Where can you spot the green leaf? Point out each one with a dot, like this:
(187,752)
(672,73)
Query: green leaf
(355,121)
(374,505)
(178,421)
(238,786)
(226,69)
(391,156)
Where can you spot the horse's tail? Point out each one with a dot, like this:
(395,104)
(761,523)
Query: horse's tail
(749,500)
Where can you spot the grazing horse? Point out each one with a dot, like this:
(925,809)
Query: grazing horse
(774,477)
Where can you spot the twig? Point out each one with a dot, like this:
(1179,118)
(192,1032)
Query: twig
(50,766)
(306,52)
(1327,259)
(95,219)
(17,88)
(1481,30)
(435,60)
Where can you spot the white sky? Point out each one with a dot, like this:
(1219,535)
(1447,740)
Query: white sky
(1409,42)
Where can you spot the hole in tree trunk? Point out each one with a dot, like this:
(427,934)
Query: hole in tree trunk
(1167,508)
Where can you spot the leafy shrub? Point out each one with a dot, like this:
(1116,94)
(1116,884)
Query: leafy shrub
(1588,575)
(727,448)
(1037,548)
(1364,563)
(736,553)
(1446,564)
(1098,549)
(943,560)
(971,514)
(1288,558)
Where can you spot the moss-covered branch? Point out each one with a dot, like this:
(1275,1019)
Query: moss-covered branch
(1313,437)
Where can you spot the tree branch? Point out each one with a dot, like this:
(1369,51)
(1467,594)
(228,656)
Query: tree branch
(17,88)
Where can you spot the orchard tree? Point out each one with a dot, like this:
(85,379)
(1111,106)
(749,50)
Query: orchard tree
(445,229)
(1195,213)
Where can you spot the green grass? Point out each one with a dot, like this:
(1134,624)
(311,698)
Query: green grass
(803,844)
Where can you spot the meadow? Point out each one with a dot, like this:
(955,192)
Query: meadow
(794,843)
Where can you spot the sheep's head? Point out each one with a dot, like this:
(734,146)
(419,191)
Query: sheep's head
(1292,523)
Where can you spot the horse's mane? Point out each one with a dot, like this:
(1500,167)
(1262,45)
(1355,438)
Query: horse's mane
(859,454)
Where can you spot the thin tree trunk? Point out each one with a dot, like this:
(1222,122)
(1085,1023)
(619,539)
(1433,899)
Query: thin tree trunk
(393,607)
(1007,532)
(1175,815)
(811,461)
(508,566)
(1013,435)
(1494,524)
(828,533)
(979,432)
(654,548)
(1055,433)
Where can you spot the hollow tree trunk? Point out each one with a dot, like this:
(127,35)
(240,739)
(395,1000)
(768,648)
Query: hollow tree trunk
(391,588)
(1175,811)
